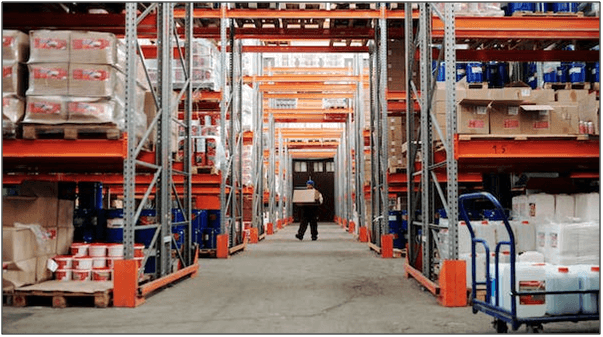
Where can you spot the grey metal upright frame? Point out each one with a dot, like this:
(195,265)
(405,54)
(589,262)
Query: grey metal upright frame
(359,145)
(429,183)
(258,158)
(160,246)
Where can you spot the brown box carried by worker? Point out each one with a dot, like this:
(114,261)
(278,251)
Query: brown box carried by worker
(305,196)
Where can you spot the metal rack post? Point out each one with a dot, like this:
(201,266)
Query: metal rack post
(271,171)
(374,142)
(258,146)
(280,175)
(383,126)
(359,145)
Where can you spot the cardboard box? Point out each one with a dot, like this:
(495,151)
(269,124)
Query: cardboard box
(96,48)
(42,272)
(15,46)
(516,93)
(14,78)
(49,46)
(396,65)
(538,119)
(305,196)
(93,110)
(571,95)
(64,240)
(95,80)
(565,120)
(541,96)
(19,273)
(473,117)
(505,120)
(18,244)
(47,79)
(65,213)
(13,109)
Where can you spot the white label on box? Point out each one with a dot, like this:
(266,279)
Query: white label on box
(392,218)
(476,70)
(513,110)
(481,110)
(575,70)
(167,239)
(51,265)
(525,92)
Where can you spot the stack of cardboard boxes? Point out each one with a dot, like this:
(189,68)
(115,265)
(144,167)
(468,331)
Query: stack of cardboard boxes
(15,51)
(36,226)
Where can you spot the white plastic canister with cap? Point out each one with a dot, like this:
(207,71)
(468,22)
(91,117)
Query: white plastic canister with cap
(560,278)
(525,236)
(486,232)
(529,277)
(589,277)
(464,237)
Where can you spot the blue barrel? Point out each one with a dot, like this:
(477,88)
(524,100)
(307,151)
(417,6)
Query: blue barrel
(395,228)
(594,76)
(530,71)
(513,7)
(503,73)
(493,74)
(541,7)
(114,233)
(550,72)
(441,72)
(199,222)
(577,72)
(213,219)
(461,71)
(404,220)
(563,72)
(475,73)
(564,7)
(90,195)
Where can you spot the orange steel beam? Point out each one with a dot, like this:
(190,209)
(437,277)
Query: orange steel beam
(464,177)
(140,190)
(319,87)
(308,111)
(543,148)
(310,155)
(584,175)
(307,118)
(531,28)
(308,145)
(107,178)
(149,287)
(305,49)
(312,96)
(45,148)
(208,13)
(312,70)
(302,78)
(417,275)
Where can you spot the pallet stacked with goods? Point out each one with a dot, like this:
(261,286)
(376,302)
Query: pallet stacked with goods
(483,129)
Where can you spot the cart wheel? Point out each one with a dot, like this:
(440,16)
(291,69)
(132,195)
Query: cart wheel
(535,328)
(475,311)
(500,326)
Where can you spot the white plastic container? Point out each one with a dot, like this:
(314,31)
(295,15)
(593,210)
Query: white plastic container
(541,207)
(79,249)
(589,243)
(99,262)
(587,207)
(63,274)
(541,238)
(464,238)
(564,207)
(480,268)
(528,277)
(485,231)
(501,231)
(111,261)
(531,257)
(589,277)
(520,207)
(559,278)
(81,275)
(115,250)
(101,274)
(97,250)
(525,236)
(64,261)
(82,263)
(562,244)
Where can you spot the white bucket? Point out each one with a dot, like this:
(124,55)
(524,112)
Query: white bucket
(560,278)
(82,263)
(111,261)
(81,275)
(64,261)
(97,249)
(63,274)
(99,262)
(115,249)
(101,274)
(79,249)
(528,277)
(589,276)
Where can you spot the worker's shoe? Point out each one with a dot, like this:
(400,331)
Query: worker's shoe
(299,237)
(314,239)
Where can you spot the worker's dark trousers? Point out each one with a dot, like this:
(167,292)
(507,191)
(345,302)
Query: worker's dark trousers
(304,225)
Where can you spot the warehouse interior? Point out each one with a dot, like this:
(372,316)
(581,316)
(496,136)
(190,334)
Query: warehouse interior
(159,155)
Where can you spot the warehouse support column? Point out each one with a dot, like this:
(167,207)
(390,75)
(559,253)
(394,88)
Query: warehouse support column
(382,103)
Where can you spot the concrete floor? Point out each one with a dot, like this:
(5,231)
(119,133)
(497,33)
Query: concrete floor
(281,285)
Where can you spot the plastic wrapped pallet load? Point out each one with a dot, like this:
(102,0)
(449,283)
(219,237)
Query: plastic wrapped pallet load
(15,46)
(48,79)
(541,207)
(49,46)
(13,78)
(520,207)
(46,109)
(13,110)
(96,48)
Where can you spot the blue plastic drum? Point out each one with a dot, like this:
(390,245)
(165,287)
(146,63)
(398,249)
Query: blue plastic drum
(179,235)
(513,7)
(395,228)
(564,7)
(563,72)
(213,219)
(442,72)
(114,233)
(475,73)
(577,72)
(177,215)
(461,70)
(550,72)
(541,7)
(595,77)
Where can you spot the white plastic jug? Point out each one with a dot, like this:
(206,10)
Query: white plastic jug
(589,276)
(464,238)
(525,236)
(562,244)
(559,278)
(520,207)
(529,277)
(486,232)
(480,268)
(564,207)
(500,231)
(531,256)
(541,207)
(587,207)
(541,238)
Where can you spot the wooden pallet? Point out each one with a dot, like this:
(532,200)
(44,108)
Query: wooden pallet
(480,294)
(61,299)
(71,131)
(523,137)
(204,170)
(481,85)
(548,14)
(567,86)
(208,253)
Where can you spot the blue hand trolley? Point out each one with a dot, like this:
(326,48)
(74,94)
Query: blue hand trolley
(501,315)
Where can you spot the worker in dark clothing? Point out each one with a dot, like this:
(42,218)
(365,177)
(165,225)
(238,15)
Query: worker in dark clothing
(309,214)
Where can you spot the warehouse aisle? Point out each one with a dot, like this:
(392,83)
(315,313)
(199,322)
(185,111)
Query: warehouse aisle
(281,285)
